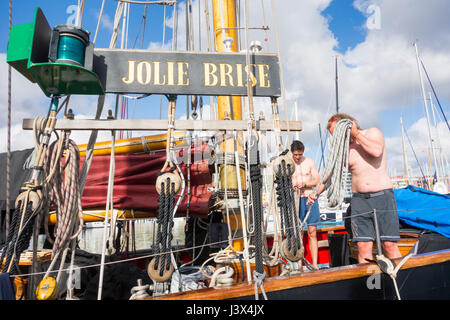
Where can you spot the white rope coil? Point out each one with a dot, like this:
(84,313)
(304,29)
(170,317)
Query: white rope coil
(139,291)
(222,277)
(62,184)
(337,163)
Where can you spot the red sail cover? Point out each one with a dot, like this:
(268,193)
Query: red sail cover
(135,177)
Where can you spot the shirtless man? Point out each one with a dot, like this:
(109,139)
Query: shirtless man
(372,189)
(305,178)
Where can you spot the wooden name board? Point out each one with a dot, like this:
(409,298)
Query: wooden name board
(186,73)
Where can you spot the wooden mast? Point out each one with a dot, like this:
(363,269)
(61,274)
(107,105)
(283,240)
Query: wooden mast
(224,19)
(229,107)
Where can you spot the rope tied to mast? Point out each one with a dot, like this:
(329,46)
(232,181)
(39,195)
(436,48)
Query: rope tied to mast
(256,185)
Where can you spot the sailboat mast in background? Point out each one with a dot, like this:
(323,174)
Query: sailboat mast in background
(432,154)
(405,162)
(336,84)
(438,141)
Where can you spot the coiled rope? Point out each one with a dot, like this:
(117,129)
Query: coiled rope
(62,184)
(139,291)
(337,163)
(222,277)
(63,190)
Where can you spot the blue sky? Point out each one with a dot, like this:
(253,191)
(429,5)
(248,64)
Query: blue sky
(346,22)
(378,80)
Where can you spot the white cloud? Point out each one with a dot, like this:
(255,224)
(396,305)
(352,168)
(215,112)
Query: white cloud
(107,22)
(419,141)
(20,139)
(26,99)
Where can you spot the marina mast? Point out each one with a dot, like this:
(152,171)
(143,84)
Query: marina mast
(432,154)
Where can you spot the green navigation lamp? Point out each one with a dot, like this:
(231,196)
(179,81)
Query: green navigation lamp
(68,45)
(60,60)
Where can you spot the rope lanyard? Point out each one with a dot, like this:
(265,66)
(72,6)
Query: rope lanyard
(8,142)
(283,88)
(254,172)
(256,204)
(291,246)
(276,124)
(109,207)
(168,184)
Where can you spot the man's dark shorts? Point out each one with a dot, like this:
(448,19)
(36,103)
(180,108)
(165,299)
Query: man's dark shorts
(362,206)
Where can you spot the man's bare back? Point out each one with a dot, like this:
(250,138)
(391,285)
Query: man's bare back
(369,166)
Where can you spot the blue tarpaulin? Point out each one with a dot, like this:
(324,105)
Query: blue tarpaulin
(424,209)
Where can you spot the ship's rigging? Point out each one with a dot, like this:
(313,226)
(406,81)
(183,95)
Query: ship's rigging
(239,172)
